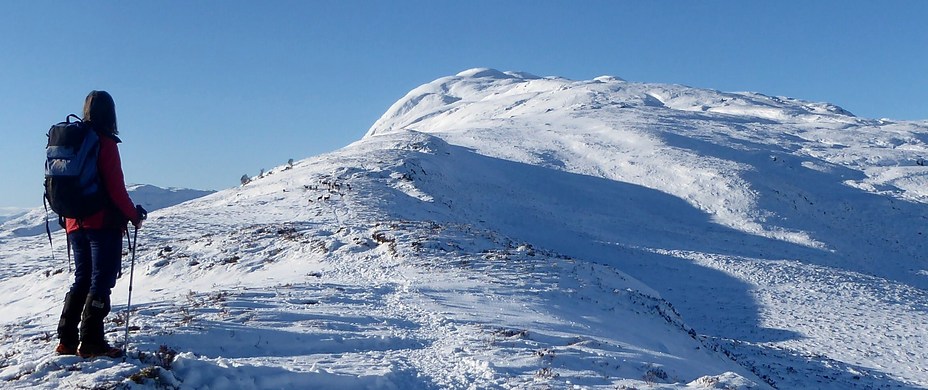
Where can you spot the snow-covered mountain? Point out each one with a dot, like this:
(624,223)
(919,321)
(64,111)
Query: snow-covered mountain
(502,230)
(154,197)
(8,213)
(32,222)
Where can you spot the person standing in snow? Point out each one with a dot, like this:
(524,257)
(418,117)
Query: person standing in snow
(97,243)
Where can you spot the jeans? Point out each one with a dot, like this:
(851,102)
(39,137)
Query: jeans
(97,261)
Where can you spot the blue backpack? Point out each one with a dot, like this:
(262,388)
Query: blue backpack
(72,182)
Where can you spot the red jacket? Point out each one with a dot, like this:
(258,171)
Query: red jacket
(120,208)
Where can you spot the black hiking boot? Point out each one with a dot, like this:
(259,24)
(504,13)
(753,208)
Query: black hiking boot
(93,342)
(67,325)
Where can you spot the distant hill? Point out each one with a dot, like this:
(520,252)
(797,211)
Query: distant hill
(8,213)
(32,222)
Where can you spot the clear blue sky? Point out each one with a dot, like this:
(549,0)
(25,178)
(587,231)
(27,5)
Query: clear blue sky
(209,90)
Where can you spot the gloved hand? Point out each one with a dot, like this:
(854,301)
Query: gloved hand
(143,215)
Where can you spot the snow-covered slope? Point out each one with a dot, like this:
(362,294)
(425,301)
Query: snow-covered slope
(797,176)
(502,230)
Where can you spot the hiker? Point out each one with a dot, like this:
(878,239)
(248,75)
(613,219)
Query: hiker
(97,243)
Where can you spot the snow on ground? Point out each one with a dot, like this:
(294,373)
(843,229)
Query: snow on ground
(327,283)
(503,230)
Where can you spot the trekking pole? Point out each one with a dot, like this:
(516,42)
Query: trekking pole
(135,244)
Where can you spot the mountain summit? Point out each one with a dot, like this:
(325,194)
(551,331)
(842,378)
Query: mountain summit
(785,171)
(503,230)
(482,93)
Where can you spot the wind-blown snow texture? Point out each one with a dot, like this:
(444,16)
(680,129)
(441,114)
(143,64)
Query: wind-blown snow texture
(501,230)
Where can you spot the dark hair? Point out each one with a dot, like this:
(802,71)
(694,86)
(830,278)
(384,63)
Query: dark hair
(100,111)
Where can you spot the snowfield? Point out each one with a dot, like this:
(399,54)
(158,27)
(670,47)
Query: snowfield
(503,230)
